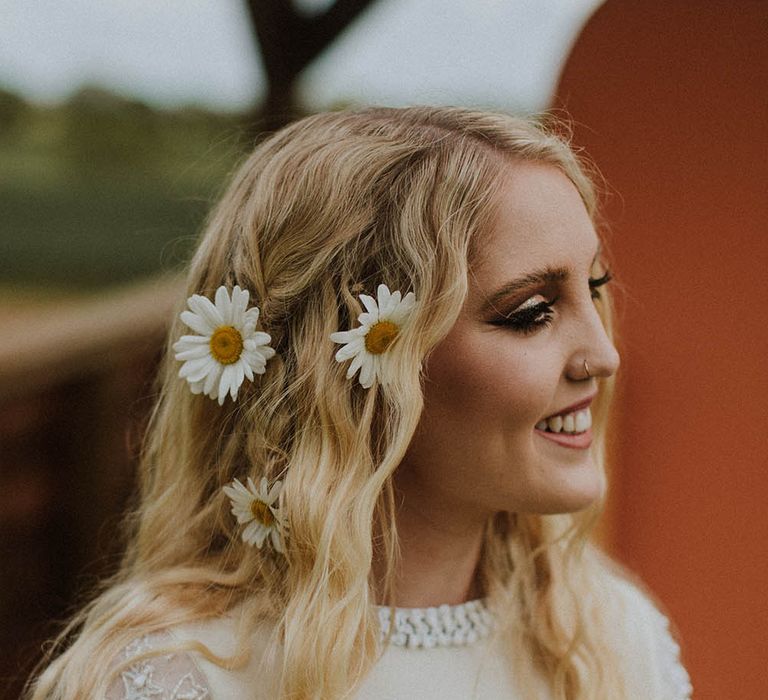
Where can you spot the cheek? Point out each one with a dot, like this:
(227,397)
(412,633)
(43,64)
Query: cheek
(491,381)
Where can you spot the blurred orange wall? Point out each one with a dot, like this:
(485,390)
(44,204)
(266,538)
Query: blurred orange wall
(670,98)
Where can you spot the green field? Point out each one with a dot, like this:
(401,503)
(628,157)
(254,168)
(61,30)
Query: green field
(104,190)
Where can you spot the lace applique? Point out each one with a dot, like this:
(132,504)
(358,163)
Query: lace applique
(164,677)
(675,678)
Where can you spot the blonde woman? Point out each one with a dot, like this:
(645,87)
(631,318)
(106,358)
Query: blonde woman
(377,451)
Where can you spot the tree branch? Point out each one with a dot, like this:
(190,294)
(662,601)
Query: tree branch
(288,41)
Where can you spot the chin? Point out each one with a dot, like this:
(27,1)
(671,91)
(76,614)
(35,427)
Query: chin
(549,502)
(572,505)
(583,498)
(575,492)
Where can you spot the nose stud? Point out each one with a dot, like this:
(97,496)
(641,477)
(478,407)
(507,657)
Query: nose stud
(586,369)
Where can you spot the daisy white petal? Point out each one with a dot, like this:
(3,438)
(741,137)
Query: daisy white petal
(277,541)
(356,364)
(367,373)
(237,378)
(223,304)
(231,490)
(191,368)
(365,319)
(199,376)
(196,387)
(261,535)
(212,380)
(241,505)
(192,353)
(227,347)
(382,296)
(252,507)
(255,360)
(205,310)
(243,515)
(370,305)
(385,370)
(401,313)
(381,323)
(190,340)
(251,319)
(239,304)
(391,305)
(251,532)
(260,338)
(254,345)
(235,488)
(196,323)
(346,336)
(240,297)
(274,492)
(224,384)
(350,350)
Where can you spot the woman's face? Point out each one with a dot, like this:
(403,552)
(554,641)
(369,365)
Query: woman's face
(514,358)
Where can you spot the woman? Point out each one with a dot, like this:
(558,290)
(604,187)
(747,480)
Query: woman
(373,473)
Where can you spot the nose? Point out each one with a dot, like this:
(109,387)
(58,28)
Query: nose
(594,354)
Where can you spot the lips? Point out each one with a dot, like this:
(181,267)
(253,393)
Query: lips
(574,440)
(578,441)
(573,407)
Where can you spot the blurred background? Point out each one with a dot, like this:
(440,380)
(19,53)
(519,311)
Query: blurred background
(120,122)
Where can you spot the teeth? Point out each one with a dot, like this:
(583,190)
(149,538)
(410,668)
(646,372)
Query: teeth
(576,422)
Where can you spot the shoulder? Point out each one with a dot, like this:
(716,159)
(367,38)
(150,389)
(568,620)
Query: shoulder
(196,661)
(646,643)
(151,669)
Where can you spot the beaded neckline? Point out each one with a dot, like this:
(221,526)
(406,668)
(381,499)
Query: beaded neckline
(442,626)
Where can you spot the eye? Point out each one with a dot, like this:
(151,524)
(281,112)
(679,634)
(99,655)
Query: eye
(531,315)
(596,282)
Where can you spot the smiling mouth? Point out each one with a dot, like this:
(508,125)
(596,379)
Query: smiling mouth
(574,423)
(572,430)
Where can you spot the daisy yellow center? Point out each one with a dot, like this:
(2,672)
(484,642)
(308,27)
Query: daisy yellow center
(226,345)
(262,513)
(380,336)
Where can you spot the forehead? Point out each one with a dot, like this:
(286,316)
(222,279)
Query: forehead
(541,221)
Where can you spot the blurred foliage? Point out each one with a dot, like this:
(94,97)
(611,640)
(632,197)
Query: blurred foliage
(103,190)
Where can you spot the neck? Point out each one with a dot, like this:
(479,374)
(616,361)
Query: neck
(439,554)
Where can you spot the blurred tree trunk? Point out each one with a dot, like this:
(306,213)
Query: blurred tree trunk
(289,41)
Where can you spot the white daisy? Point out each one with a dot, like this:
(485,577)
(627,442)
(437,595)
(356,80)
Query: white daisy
(380,326)
(227,348)
(257,508)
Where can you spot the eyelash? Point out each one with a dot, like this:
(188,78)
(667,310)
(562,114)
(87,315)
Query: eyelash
(599,282)
(530,319)
(539,316)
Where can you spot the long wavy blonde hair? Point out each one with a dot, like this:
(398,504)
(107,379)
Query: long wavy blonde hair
(335,200)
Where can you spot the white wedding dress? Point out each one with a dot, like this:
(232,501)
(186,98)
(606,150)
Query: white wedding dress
(442,653)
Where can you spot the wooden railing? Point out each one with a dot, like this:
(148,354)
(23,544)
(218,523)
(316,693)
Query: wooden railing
(75,388)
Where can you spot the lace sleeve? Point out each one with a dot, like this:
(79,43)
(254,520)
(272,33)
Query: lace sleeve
(674,677)
(172,676)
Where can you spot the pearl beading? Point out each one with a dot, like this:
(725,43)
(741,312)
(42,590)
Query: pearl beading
(443,626)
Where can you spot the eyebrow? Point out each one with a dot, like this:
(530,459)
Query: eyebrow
(548,275)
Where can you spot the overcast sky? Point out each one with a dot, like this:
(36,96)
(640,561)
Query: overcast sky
(494,53)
